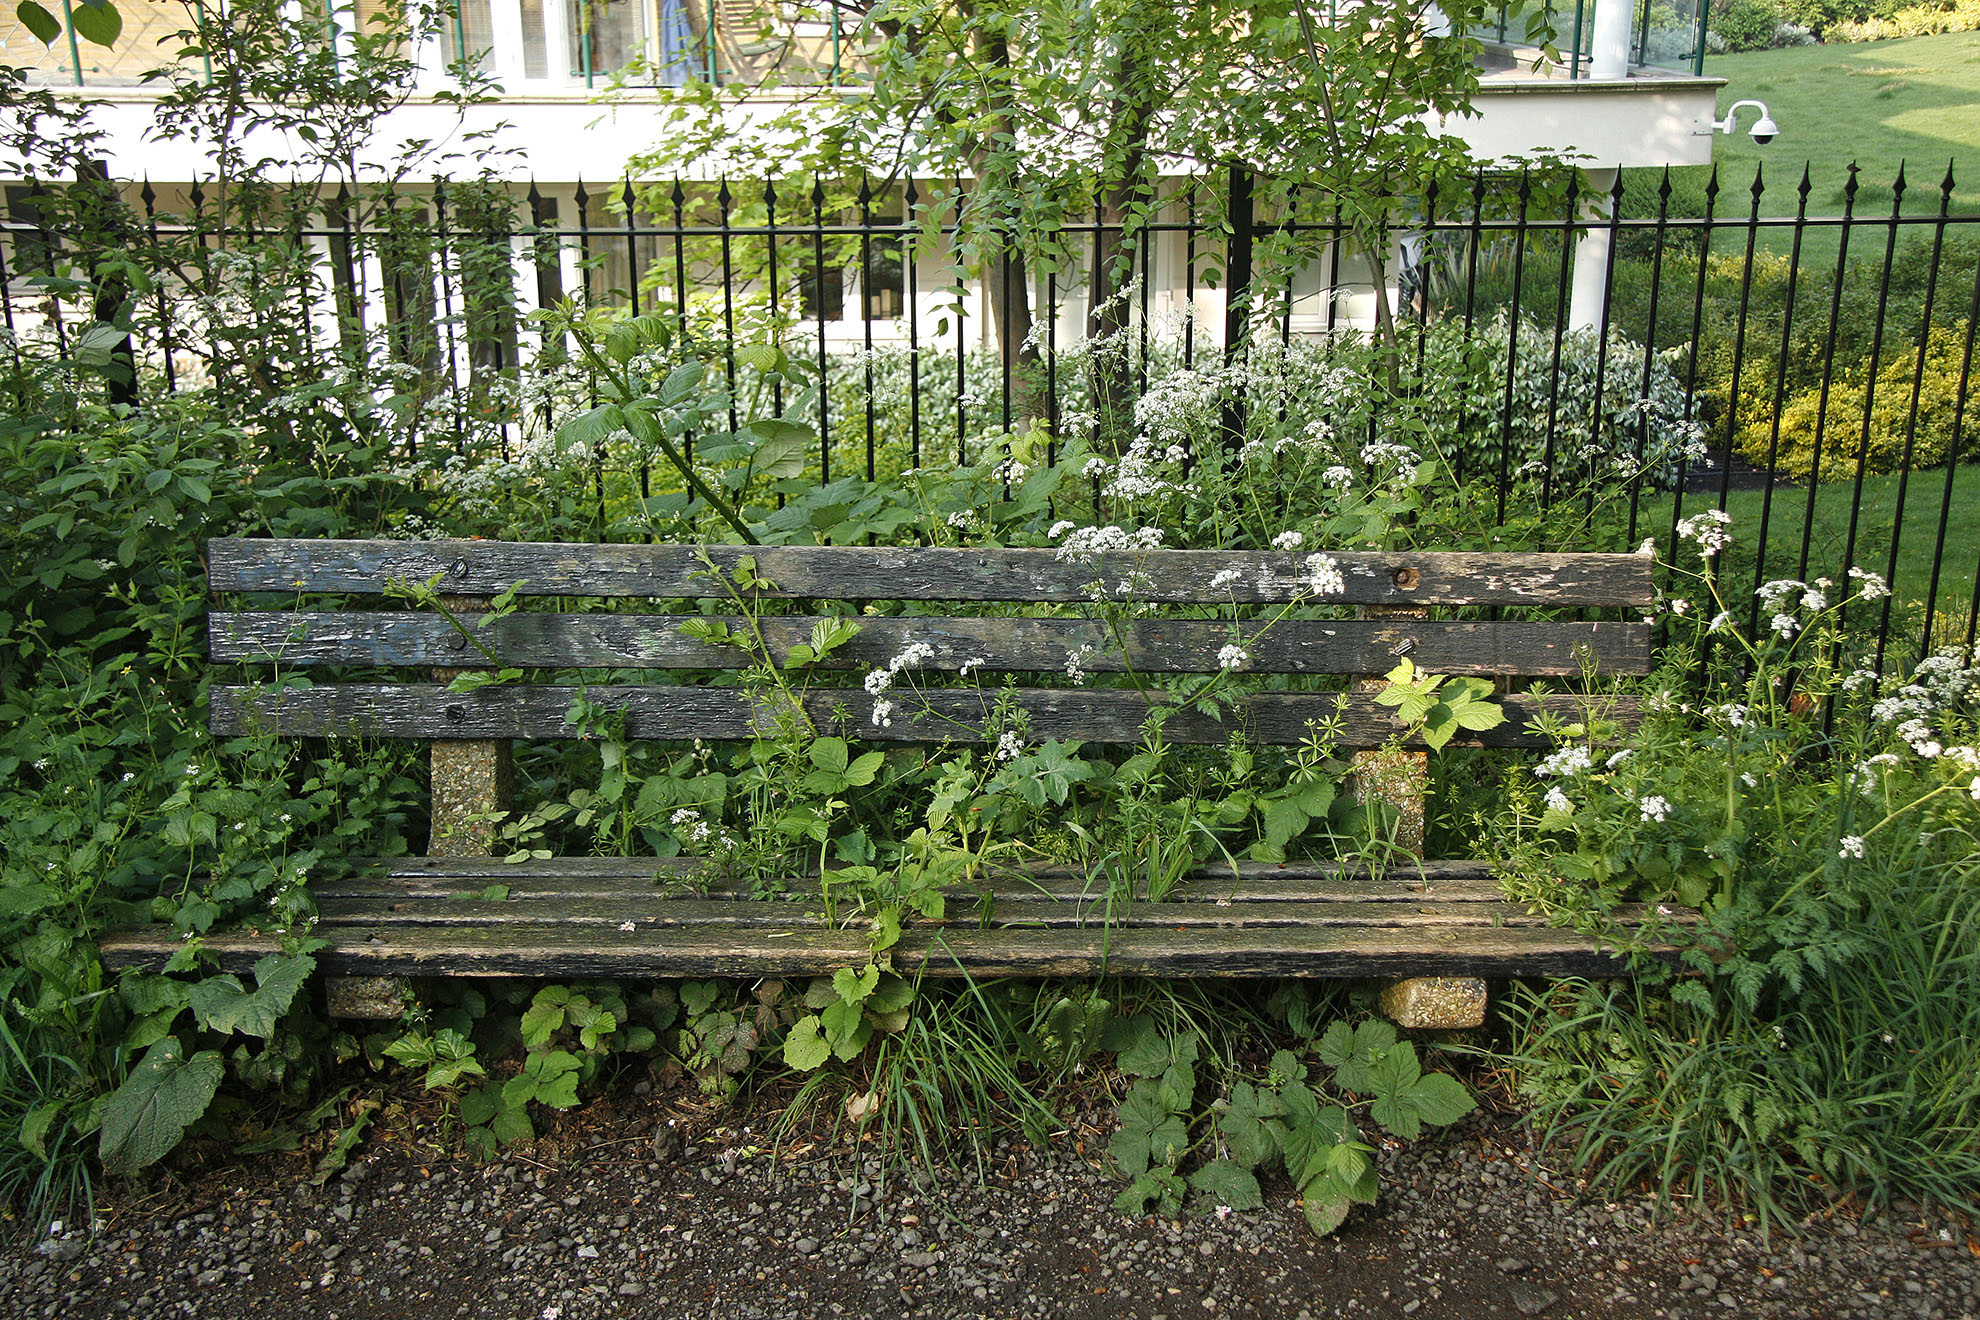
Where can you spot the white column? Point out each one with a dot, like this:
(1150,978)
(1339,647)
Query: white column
(1609,49)
(505,36)
(1588,300)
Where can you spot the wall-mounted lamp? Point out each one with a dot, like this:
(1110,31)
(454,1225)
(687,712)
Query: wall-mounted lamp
(1764,130)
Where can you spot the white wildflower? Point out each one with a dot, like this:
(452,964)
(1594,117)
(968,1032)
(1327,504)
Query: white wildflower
(1338,477)
(1720,622)
(1852,846)
(1566,762)
(1323,574)
(625,925)
(1786,625)
(1224,577)
(1870,586)
(1649,547)
(1655,807)
(1289,540)
(1557,800)
(883,715)
(1233,656)
(1812,599)
(1009,746)
(1076,664)
(971,665)
(1711,530)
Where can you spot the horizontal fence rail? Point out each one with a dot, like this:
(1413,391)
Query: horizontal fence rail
(1798,351)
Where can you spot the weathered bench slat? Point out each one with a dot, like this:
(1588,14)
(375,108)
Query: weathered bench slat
(486,568)
(656,950)
(937,715)
(965,912)
(655,641)
(444,879)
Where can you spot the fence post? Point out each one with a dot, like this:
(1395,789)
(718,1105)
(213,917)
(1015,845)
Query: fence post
(1237,296)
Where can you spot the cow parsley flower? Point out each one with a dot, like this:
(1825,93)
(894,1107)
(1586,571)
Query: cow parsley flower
(883,714)
(1852,846)
(1289,540)
(1323,574)
(1711,530)
(1557,800)
(1009,746)
(1566,762)
(1655,807)
(1233,656)
(1870,586)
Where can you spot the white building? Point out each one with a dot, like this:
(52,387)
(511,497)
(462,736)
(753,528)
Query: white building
(554,61)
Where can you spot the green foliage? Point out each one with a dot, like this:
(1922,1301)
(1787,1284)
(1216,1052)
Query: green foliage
(1278,1122)
(161,1098)
(1434,707)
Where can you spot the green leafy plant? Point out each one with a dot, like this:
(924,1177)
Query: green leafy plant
(1435,708)
(1278,1122)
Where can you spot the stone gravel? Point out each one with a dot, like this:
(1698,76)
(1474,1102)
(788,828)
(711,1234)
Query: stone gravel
(716,1224)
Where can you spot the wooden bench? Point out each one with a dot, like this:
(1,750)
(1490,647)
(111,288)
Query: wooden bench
(633,917)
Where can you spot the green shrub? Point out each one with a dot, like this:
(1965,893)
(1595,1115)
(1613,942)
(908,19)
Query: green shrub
(1893,433)
(1909,21)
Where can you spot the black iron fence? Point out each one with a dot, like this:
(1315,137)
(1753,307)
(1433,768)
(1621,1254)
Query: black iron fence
(1799,355)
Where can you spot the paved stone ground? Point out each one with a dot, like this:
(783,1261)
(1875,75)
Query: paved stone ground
(714,1224)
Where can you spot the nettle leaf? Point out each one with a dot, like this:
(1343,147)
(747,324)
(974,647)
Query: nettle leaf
(145,1117)
(222,1003)
(1223,1182)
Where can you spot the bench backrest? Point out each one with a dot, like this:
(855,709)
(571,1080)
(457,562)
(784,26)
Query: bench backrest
(1393,584)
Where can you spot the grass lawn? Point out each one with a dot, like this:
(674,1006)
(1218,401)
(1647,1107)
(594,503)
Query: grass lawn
(1876,104)
(1873,103)
(1916,536)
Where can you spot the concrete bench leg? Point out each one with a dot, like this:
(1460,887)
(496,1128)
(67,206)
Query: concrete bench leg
(1402,779)
(379,998)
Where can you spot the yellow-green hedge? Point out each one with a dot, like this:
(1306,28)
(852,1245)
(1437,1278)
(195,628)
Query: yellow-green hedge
(1913,21)
(1843,438)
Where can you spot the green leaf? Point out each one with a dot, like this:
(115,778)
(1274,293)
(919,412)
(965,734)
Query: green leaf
(829,754)
(1441,1099)
(44,25)
(1150,1134)
(1144,1053)
(759,357)
(864,770)
(781,449)
(1243,1125)
(804,1048)
(145,1117)
(95,344)
(853,986)
(588,430)
(222,1003)
(681,382)
(1223,1182)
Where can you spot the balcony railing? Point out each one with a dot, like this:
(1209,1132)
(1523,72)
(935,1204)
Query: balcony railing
(1665,35)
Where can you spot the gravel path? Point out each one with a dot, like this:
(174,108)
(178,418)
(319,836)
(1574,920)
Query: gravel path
(721,1228)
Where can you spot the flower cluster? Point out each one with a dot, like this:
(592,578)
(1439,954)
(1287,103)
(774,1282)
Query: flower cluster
(1323,574)
(1085,544)
(1710,530)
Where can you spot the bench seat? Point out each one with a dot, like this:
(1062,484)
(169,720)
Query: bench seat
(568,917)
